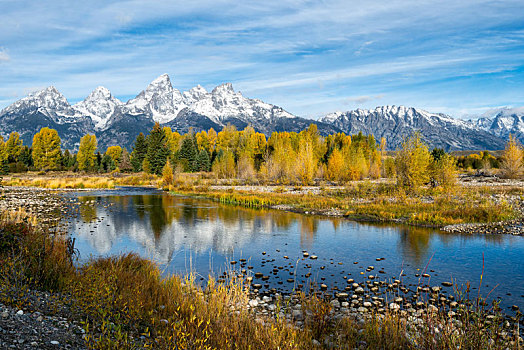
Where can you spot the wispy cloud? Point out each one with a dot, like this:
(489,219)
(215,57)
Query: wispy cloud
(304,55)
(4,56)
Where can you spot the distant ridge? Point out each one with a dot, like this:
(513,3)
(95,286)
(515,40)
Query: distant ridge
(118,123)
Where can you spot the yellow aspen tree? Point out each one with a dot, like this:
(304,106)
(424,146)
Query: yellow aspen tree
(115,152)
(411,162)
(86,152)
(335,167)
(512,159)
(306,166)
(46,149)
(167,174)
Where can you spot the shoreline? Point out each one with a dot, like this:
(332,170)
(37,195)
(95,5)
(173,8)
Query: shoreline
(363,303)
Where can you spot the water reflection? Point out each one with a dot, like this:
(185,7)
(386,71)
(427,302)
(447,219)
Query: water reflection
(166,228)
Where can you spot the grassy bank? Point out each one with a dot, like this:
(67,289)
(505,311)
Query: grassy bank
(123,302)
(362,200)
(372,202)
(69,180)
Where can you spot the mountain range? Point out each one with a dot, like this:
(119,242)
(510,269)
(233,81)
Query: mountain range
(117,123)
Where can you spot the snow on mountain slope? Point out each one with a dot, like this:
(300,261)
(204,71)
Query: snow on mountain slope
(394,123)
(195,94)
(502,122)
(48,101)
(99,106)
(159,100)
(223,103)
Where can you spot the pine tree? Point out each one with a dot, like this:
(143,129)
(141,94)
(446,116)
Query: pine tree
(46,149)
(125,162)
(68,160)
(26,156)
(203,162)
(139,152)
(188,154)
(157,149)
(107,163)
(87,160)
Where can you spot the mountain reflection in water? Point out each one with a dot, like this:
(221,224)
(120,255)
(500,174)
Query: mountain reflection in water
(168,229)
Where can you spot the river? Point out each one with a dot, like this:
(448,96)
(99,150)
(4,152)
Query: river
(186,235)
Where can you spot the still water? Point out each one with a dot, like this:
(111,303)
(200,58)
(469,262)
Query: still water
(192,235)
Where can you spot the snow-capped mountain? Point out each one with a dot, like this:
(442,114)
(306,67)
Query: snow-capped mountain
(48,101)
(118,123)
(100,105)
(502,122)
(224,103)
(45,108)
(159,100)
(394,123)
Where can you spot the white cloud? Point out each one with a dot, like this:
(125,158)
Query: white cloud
(4,56)
(362,99)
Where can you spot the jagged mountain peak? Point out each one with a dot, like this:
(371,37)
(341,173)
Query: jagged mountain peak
(100,92)
(100,105)
(394,123)
(159,100)
(162,81)
(195,94)
(223,89)
(49,100)
(503,121)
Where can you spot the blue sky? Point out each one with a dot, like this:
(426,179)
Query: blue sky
(310,57)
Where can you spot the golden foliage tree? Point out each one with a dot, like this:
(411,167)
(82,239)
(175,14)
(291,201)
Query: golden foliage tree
(512,159)
(444,172)
(115,152)
(4,168)
(86,156)
(167,174)
(411,162)
(224,165)
(306,166)
(335,167)
(46,149)
(14,146)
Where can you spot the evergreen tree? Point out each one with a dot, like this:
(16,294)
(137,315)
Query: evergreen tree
(107,164)
(188,154)
(203,162)
(157,149)
(125,162)
(437,153)
(26,156)
(87,160)
(68,160)
(139,152)
(46,149)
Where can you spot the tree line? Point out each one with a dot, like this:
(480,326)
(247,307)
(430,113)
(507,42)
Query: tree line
(284,157)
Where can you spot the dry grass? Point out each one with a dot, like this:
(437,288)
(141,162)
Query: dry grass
(374,202)
(125,303)
(62,180)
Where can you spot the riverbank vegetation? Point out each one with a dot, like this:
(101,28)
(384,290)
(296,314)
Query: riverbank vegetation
(124,303)
(355,175)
